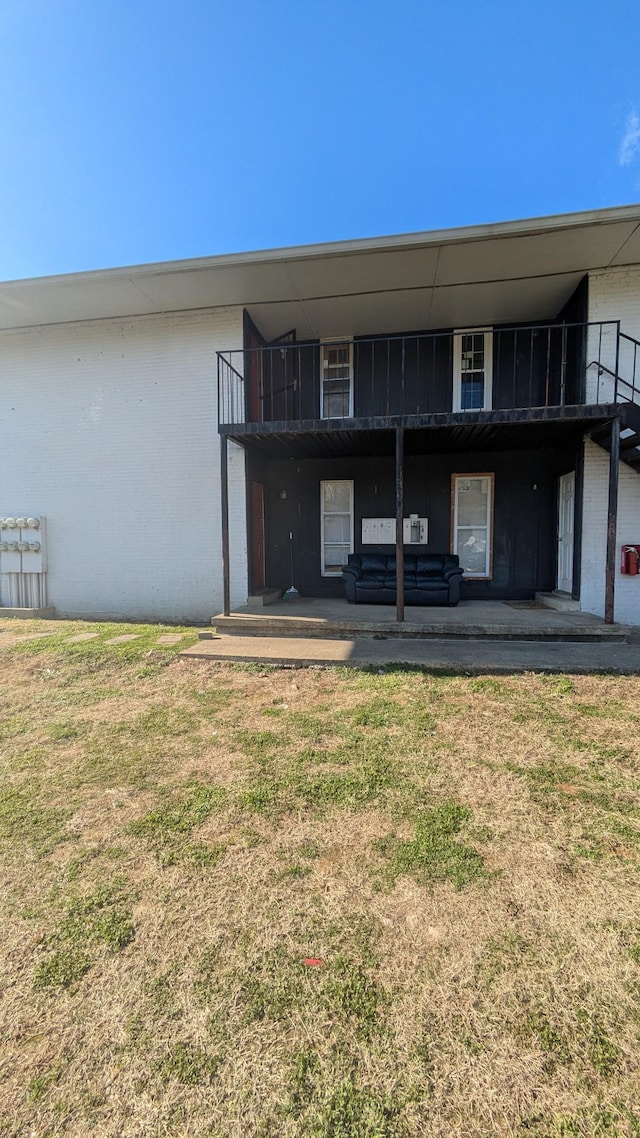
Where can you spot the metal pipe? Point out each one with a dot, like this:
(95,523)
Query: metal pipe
(612,522)
(224,501)
(617,364)
(399,519)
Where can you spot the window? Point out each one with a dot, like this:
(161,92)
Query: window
(336,526)
(336,380)
(472,370)
(472,517)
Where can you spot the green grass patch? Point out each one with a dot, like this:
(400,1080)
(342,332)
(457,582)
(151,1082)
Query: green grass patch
(168,828)
(24,818)
(100,921)
(551,1041)
(188,1065)
(43,1082)
(435,855)
(330,1100)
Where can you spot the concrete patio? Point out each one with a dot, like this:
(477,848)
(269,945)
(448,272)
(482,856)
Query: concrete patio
(479,620)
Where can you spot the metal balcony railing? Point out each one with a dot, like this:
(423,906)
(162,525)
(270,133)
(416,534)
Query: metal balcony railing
(533,366)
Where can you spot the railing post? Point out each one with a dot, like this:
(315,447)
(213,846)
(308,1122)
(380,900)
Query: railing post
(563,366)
(548,369)
(224,502)
(219,403)
(399,520)
(612,522)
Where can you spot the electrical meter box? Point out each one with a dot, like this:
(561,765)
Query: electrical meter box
(415,530)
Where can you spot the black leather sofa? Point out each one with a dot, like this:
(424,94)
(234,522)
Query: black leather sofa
(429,579)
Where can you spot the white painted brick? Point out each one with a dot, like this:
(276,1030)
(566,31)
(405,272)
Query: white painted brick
(614,294)
(594,536)
(110,431)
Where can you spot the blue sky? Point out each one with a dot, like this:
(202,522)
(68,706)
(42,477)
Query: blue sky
(136,131)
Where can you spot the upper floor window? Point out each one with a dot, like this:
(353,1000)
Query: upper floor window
(472,369)
(336,380)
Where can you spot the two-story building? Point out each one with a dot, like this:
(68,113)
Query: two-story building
(195,432)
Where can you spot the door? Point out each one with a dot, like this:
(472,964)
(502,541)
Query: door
(257,536)
(566,505)
(253,372)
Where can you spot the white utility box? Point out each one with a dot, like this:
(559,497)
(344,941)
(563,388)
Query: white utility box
(382,531)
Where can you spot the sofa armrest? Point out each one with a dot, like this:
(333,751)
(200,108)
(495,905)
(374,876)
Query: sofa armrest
(449,573)
(352,571)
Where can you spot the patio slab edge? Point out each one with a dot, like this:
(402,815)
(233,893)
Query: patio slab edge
(469,656)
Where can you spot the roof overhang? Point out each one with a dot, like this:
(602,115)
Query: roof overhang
(509,272)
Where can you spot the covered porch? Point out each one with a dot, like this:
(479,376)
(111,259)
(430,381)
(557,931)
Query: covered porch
(397,469)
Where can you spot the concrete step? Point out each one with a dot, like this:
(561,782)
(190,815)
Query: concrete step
(240,624)
(561,602)
(265,596)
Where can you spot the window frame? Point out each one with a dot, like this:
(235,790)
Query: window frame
(335,342)
(487,403)
(332,482)
(490,522)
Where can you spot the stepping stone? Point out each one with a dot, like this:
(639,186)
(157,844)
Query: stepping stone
(169,638)
(32,636)
(121,639)
(81,637)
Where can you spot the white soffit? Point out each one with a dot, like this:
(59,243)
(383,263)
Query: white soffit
(537,254)
(491,273)
(363,272)
(629,254)
(500,303)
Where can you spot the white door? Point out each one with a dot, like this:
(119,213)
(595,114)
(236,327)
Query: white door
(566,501)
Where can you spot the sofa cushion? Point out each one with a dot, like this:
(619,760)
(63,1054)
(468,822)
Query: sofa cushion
(430,563)
(373,563)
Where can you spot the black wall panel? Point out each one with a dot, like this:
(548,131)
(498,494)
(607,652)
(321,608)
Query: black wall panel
(524,549)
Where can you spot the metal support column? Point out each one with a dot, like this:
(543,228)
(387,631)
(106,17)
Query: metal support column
(224,499)
(612,522)
(399,526)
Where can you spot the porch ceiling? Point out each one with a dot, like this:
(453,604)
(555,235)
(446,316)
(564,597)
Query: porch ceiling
(436,438)
(502,273)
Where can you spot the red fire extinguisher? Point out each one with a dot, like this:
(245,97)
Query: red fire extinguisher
(630,560)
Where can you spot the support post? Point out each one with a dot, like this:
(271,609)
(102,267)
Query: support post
(399,526)
(612,522)
(224,501)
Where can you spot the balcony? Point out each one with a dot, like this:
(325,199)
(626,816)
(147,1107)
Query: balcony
(412,379)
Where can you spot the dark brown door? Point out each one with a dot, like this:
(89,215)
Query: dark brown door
(253,372)
(257,536)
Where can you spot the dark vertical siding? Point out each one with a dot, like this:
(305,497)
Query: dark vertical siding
(537,364)
(524,550)
(576,311)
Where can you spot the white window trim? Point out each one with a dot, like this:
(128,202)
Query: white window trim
(455,478)
(329,342)
(457,369)
(332,482)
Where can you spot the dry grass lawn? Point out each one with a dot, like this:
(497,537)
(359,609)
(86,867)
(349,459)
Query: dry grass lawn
(336,904)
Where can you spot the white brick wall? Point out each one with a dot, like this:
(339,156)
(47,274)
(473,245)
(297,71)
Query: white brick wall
(594,536)
(110,431)
(614,294)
